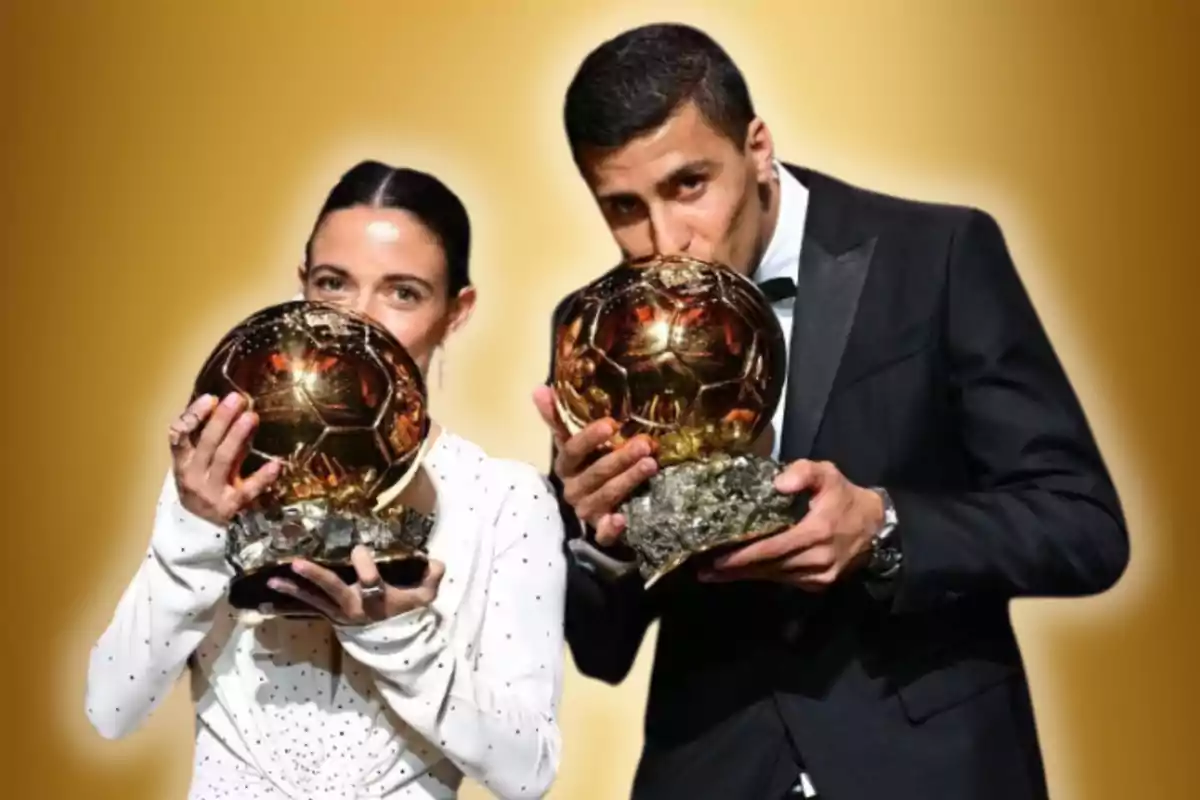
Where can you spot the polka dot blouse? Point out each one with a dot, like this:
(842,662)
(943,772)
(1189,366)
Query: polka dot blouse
(403,708)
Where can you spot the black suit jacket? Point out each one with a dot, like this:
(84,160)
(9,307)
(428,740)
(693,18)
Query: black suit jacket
(918,364)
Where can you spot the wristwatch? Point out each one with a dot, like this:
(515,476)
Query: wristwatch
(886,556)
(611,563)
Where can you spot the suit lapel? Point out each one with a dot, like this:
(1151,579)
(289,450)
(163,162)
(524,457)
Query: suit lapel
(835,259)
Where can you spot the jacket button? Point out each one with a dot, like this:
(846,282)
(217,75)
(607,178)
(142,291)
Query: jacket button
(792,629)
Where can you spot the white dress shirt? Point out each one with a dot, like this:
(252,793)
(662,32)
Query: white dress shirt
(781,259)
(403,708)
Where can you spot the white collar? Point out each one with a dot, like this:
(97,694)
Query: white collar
(781,259)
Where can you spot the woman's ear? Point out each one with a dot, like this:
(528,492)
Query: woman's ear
(302,276)
(461,308)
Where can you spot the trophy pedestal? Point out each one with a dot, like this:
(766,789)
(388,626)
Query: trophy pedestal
(262,545)
(249,591)
(701,507)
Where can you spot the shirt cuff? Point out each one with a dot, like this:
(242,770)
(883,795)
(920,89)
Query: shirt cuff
(182,538)
(395,629)
(402,645)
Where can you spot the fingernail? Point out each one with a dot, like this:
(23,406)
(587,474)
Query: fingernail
(649,466)
(232,400)
(785,482)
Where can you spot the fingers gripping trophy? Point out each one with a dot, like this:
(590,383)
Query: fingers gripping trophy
(688,355)
(331,426)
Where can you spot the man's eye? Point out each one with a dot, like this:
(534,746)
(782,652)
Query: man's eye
(623,207)
(691,185)
(329,284)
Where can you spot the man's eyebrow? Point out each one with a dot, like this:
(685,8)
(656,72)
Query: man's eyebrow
(690,168)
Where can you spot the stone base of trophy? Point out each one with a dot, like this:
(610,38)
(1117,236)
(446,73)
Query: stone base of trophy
(250,591)
(263,545)
(702,507)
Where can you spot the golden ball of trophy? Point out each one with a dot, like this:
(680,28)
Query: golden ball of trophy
(690,355)
(343,407)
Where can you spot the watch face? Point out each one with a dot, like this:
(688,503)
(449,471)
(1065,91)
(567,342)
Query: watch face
(885,557)
(885,550)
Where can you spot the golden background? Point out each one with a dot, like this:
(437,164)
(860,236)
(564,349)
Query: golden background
(162,162)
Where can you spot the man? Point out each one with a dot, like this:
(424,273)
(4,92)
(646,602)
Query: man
(867,651)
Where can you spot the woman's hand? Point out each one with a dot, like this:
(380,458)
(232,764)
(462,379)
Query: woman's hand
(203,470)
(369,600)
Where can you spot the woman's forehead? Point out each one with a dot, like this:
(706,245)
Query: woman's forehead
(377,240)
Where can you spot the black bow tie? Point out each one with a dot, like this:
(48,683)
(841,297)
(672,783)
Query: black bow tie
(777,289)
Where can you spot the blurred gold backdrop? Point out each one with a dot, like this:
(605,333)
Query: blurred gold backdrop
(162,162)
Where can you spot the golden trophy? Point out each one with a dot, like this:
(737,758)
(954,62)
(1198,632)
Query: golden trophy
(689,354)
(344,408)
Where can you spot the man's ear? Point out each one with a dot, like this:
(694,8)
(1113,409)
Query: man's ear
(760,147)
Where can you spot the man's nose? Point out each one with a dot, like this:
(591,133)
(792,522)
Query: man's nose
(670,238)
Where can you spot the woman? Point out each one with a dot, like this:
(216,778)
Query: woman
(402,691)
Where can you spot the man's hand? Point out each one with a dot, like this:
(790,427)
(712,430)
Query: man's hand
(347,604)
(594,488)
(832,539)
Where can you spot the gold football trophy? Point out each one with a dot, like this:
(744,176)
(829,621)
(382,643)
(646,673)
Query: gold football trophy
(690,355)
(344,408)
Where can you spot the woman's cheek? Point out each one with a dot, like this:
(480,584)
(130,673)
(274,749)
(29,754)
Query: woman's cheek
(417,339)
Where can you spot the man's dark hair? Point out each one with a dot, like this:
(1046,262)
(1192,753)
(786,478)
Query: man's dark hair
(630,85)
